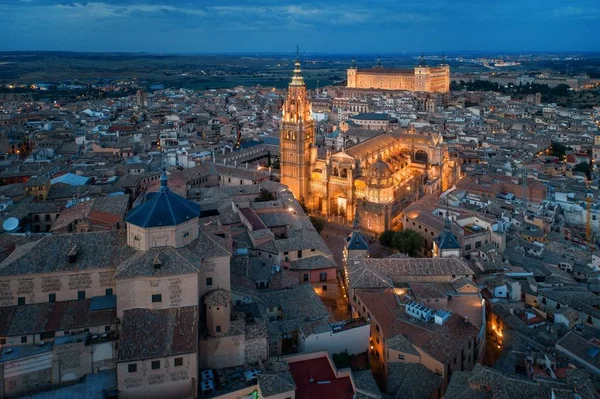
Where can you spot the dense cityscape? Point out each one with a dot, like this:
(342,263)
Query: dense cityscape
(300,225)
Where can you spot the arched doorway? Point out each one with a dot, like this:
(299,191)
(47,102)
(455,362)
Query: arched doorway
(421,156)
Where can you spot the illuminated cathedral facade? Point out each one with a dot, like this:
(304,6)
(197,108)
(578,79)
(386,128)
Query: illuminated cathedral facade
(375,179)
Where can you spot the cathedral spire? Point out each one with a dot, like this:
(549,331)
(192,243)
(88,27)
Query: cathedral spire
(297,79)
(353,63)
(378,62)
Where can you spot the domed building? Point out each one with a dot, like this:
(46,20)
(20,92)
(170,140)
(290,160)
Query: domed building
(380,182)
(174,302)
(164,220)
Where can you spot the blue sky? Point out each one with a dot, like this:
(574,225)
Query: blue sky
(341,26)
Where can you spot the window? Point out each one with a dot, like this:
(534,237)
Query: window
(51,297)
(186,234)
(377,340)
(324,288)
(305,277)
(132,368)
(106,328)
(109,291)
(157,298)
(47,335)
(155,364)
(323,276)
(218,329)
(47,218)
(299,254)
(377,327)
(478,244)
(178,361)
(21,300)
(208,281)
(467,247)
(23,340)
(400,357)
(2,341)
(80,295)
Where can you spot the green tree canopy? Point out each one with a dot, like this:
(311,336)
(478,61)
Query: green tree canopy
(265,195)
(407,242)
(386,238)
(317,223)
(584,167)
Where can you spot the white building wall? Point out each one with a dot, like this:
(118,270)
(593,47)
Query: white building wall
(355,340)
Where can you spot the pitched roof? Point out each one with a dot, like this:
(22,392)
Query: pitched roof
(149,333)
(361,271)
(356,242)
(52,316)
(447,240)
(50,254)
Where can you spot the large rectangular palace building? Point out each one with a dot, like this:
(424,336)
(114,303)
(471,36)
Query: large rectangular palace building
(420,78)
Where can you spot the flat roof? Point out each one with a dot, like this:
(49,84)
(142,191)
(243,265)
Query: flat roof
(324,382)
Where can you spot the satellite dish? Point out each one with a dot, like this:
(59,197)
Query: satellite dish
(10,224)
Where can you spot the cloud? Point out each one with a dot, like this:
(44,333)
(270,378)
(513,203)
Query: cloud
(317,24)
(577,12)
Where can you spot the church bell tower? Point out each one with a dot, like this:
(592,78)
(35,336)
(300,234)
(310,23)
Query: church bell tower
(297,137)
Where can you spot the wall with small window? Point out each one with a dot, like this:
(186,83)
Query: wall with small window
(55,287)
(157,293)
(163,377)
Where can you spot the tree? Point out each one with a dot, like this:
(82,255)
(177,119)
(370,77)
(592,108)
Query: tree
(318,224)
(386,238)
(407,242)
(342,359)
(584,167)
(265,195)
(558,150)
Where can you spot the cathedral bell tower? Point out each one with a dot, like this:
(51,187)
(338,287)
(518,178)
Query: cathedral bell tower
(297,137)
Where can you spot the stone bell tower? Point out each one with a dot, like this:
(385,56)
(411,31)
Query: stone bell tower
(297,137)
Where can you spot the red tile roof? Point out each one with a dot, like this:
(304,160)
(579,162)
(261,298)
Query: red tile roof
(319,370)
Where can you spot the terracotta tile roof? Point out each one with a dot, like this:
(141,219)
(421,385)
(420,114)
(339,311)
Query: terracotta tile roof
(149,333)
(95,250)
(54,316)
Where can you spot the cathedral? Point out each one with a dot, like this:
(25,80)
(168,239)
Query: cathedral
(375,179)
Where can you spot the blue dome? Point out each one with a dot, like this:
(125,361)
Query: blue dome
(163,208)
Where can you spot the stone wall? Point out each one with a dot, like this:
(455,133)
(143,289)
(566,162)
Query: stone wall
(37,288)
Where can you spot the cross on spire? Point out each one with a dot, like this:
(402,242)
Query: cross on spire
(297,52)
